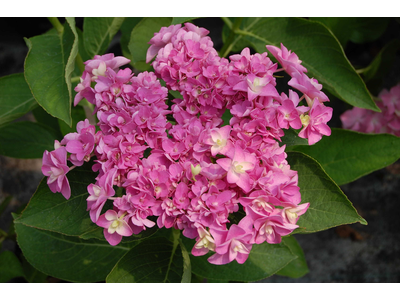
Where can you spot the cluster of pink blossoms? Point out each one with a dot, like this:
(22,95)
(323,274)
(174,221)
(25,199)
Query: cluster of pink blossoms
(368,121)
(192,173)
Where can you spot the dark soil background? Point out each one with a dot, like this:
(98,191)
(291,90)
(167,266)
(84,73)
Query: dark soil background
(349,253)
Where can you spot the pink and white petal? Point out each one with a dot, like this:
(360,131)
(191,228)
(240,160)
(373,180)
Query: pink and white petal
(113,239)
(111,215)
(103,222)
(124,229)
(218,259)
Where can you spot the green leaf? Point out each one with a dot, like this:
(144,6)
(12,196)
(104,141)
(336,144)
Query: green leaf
(126,30)
(67,258)
(383,62)
(4,204)
(368,29)
(141,35)
(51,211)
(25,140)
(226,117)
(77,114)
(10,266)
(264,260)
(348,155)
(187,267)
(319,51)
(98,33)
(181,20)
(154,260)
(291,138)
(329,207)
(47,121)
(48,68)
(297,267)
(16,98)
(32,275)
(340,27)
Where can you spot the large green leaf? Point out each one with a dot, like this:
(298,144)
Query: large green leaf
(126,29)
(297,267)
(356,29)
(25,140)
(264,260)
(48,122)
(98,33)
(368,29)
(154,260)
(348,155)
(319,51)
(10,266)
(141,35)
(16,98)
(180,20)
(51,211)
(68,258)
(48,68)
(329,207)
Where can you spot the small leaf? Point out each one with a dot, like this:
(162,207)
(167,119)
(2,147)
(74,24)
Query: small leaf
(16,98)
(141,35)
(383,62)
(25,140)
(154,260)
(297,267)
(10,266)
(348,155)
(187,268)
(329,207)
(264,260)
(4,204)
(67,258)
(98,33)
(48,68)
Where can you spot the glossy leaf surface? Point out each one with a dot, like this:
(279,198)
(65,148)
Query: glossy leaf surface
(16,98)
(329,207)
(153,260)
(347,155)
(25,140)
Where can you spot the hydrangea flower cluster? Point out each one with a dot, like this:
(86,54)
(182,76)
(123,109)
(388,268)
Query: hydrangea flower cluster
(368,121)
(178,164)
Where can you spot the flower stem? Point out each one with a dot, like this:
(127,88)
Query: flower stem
(234,31)
(56,24)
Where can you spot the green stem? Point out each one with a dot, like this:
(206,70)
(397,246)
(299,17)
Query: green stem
(75,79)
(234,31)
(56,24)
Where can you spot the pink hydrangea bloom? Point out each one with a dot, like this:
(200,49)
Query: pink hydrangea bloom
(176,162)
